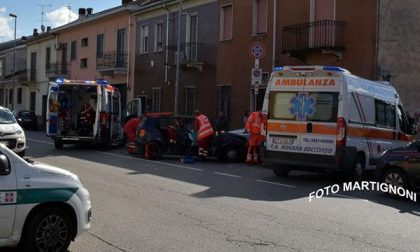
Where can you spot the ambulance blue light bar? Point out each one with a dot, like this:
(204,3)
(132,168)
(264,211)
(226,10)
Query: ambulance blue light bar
(278,68)
(59,81)
(101,82)
(334,68)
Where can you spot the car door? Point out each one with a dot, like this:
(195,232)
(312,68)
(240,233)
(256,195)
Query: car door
(415,165)
(8,195)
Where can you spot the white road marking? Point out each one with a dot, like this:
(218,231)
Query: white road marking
(227,174)
(275,183)
(39,141)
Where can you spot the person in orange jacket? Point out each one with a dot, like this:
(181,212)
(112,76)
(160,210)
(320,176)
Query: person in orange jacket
(205,133)
(130,130)
(253,127)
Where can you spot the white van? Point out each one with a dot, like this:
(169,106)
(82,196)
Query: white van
(39,202)
(84,112)
(325,118)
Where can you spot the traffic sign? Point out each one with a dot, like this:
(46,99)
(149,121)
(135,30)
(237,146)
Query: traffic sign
(257,50)
(256,76)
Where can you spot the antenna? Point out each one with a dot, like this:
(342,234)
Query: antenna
(42,14)
(69,16)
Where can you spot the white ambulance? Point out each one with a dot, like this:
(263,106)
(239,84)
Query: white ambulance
(83,111)
(325,118)
(42,208)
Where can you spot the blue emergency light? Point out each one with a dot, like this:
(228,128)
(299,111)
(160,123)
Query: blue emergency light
(279,68)
(334,68)
(59,81)
(102,82)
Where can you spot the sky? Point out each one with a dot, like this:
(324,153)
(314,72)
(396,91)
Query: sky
(56,13)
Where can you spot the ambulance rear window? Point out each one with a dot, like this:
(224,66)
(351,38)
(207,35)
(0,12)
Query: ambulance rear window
(304,106)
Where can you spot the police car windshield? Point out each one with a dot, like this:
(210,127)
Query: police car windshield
(6,117)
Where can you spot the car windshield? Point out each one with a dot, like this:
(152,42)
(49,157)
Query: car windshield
(6,117)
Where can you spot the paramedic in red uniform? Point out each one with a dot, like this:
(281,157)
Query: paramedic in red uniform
(204,133)
(130,129)
(253,127)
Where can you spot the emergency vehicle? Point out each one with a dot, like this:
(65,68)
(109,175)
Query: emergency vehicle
(325,118)
(84,112)
(42,208)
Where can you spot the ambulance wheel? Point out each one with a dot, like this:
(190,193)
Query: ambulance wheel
(49,230)
(58,145)
(357,171)
(281,170)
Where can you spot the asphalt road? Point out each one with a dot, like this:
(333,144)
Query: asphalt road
(141,205)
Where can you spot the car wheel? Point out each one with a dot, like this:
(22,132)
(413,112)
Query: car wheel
(58,145)
(49,230)
(281,170)
(395,177)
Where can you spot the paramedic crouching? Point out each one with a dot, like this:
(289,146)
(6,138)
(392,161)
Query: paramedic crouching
(86,119)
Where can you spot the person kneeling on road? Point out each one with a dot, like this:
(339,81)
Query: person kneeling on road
(205,134)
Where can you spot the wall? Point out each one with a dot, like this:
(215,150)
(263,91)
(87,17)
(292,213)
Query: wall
(399,51)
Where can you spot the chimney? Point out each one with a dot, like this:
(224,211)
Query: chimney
(48,28)
(82,12)
(89,11)
(126,1)
(35,33)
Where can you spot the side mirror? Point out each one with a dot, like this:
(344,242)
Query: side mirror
(4,165)
(19,120)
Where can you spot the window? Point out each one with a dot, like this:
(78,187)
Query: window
(385,114)
(84,42)
(19,96)
(226,22)
(32,75)
(304,106)
(83,63)
(223,100)
(156,99)
(192,37)
(144,47)
(10,96)
(260,17)
(159,36)
(120,48)
(362,114)
(48,58)
(100,45)
(402,119)
(73,50)
(189,100)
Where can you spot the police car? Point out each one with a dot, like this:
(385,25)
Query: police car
(42,208)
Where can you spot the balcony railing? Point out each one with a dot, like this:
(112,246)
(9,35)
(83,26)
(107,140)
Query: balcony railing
(323,34)
(191,54)
(58,70)
(112,62)
(20,76)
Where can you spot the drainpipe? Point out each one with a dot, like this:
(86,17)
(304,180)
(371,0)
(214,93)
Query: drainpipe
(274,33)
(166,43)
(128,53)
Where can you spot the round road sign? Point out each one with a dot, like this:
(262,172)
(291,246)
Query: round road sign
(257,50)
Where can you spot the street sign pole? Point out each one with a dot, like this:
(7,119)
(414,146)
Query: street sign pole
(257,51)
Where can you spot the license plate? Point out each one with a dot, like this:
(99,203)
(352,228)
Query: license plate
(283,140)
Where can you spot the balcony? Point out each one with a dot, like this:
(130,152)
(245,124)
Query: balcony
(112,63)
(20,76)
(57,70)
(192,55)
(324,36)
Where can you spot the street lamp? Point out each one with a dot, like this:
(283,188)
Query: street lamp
(14,64)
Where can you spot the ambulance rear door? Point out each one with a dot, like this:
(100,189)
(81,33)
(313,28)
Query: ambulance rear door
(303,111)
(52,109)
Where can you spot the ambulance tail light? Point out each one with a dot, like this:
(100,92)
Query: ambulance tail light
(103,117)
(341,132)
(264,125)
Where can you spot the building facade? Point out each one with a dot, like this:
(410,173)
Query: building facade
(156,55)
(398,51)
(96,46)
(13,74)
